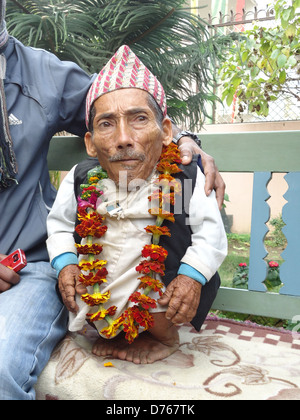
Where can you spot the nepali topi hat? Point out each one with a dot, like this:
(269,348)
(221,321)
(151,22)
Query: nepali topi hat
(125,70)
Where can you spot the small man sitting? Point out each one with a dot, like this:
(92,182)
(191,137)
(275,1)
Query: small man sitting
(142,229)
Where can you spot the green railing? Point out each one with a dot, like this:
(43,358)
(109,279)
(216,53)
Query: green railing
(261,153)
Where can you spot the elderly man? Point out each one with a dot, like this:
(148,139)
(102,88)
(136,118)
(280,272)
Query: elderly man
(128,127)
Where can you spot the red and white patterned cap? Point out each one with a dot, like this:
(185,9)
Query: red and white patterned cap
(125,70)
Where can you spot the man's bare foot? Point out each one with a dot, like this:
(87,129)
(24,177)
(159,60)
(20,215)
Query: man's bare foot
(146,349)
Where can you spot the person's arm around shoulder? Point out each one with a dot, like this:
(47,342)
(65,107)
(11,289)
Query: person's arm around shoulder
(213,179)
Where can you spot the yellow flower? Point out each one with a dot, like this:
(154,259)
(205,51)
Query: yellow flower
(85,265)
(96,298)
(111,330)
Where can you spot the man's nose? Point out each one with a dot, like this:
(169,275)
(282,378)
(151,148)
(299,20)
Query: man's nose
(124,136)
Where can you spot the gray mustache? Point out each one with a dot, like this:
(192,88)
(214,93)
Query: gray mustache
(127,154)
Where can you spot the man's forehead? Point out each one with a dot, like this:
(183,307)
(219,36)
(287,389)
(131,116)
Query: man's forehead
(130,100)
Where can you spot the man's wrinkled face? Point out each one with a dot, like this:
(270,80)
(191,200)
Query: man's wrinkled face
(127,135)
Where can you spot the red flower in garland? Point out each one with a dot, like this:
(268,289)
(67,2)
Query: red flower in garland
(162,198)
(144,301)
(143,318)
(171,153)
(159,212)
(95,299)
(147,281)
(168,181)
(155,252)
(159,231)
(92,279)
(99,315)
(89,249)
(168,168)
(91,228)
(145,267)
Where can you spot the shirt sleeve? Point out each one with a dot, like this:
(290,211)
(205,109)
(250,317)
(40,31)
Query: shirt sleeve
(61,220)
(71,84)
(61,261)
(209,240)
(189,271)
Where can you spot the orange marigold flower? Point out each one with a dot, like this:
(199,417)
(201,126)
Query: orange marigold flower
(85,265)
(89,249)
(130,327)
(147,281)
(96,298)
(141,317)
(155,252)
(89,215)
(158,212)
(168,181)
(159,231)
(162,198)
(171,153)
(91,228)
(92,279)
(168,168)
(145,267)
(145,301)
(113,328)
(99,315)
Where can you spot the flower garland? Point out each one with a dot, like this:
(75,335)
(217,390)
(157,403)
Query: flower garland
(92,226)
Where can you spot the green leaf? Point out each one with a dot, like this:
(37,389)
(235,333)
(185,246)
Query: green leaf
(281,60)
(291,61)
(282,77)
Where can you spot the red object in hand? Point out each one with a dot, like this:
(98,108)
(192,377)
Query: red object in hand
(16,261)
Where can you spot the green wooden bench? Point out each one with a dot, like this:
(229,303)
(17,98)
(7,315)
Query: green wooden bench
(261,153)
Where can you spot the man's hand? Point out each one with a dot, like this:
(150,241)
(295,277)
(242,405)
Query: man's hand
(69,285)
(8,277)
(183,297)
(213,179)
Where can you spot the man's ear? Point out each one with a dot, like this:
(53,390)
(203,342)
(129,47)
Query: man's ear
(167,132)
(89,145)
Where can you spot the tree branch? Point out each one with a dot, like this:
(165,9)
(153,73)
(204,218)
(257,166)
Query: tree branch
(139,38)
(20,6)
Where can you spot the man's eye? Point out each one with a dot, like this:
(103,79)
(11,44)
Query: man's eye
(104,124)
(141,118)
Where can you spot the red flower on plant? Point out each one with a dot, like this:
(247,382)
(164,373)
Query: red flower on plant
(242,265)
(273,264)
